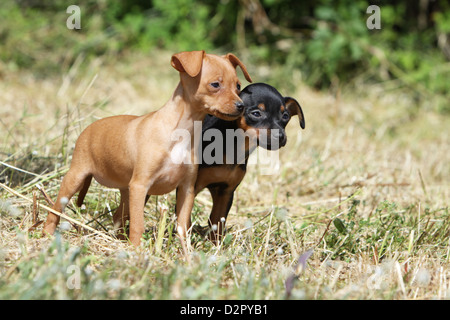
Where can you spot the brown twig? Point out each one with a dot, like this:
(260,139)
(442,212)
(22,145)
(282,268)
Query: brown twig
(62,215)
(46,196)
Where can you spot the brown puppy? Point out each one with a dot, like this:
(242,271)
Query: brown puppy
(133,153)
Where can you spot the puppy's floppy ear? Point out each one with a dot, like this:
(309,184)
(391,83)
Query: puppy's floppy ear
(294,109)
(189,61)
(236,62)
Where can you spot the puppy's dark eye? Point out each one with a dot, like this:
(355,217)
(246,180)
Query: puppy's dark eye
(215,85)
(238,86)
(256,113)
(286,116)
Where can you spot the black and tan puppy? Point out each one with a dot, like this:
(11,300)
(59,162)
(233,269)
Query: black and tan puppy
(266,114)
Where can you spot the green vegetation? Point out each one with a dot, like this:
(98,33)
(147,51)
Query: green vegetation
(364,186)
(327,40)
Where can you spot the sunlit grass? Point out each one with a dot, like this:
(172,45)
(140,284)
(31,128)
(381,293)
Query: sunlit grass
(365,187)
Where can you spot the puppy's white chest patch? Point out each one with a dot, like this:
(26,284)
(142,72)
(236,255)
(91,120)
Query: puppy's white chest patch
(181,153)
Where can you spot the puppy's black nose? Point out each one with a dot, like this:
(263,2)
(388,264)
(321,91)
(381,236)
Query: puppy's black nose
(280,136)
(239,106)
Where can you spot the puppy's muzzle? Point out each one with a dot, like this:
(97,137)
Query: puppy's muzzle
(272,139)
(239,106)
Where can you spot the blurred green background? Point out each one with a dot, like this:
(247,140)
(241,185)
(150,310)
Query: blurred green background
(327,41)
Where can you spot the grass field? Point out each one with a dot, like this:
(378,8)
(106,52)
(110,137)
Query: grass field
(364,188)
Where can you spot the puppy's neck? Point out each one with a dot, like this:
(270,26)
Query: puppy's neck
(181,111)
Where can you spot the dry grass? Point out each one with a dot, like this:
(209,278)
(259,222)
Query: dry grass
(365,186)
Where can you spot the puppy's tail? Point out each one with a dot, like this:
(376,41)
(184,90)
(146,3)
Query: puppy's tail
(83,191)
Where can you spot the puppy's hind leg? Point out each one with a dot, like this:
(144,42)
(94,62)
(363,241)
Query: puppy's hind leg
(83,191)
(72,182)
